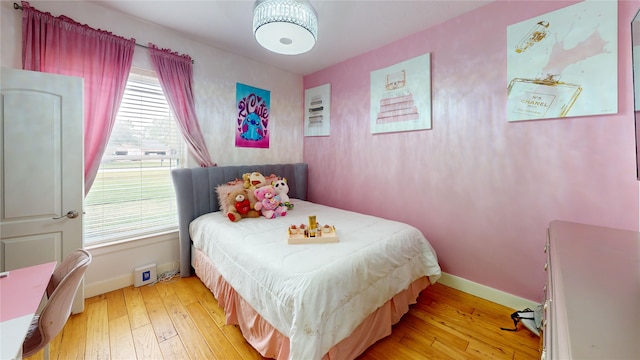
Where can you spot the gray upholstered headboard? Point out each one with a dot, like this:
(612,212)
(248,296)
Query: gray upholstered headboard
(196,195)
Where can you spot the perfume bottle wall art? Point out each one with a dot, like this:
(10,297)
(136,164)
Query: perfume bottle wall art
(564,63)
(542,97)
(535,35)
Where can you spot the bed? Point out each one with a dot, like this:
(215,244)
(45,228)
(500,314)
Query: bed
(305,301)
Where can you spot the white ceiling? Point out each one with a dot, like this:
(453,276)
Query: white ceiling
(346,28)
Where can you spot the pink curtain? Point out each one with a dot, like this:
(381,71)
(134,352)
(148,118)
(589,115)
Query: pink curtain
(60,45)
(176,77)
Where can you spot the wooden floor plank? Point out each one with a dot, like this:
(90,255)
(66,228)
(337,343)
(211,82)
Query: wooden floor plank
(234,336)
(165,288)
(158,315)
(208,301)
(54,346)
(146,344)
(383,349)
(429,332)
(173,349)
(121,339)
(195,344)
(451,351)
(185,292)
(212,334)
(197,287)
(482,350)
(460,325)
(471,325)
(72,338)
(214,310)
(180,319)
(135,307)
(97,342)
(117,306)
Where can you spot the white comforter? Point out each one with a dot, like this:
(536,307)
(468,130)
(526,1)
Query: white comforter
(315,294)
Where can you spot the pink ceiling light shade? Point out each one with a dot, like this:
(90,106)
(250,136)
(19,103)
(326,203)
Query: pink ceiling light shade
(288,27)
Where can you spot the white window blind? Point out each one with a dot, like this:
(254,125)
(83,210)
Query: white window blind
(133,194)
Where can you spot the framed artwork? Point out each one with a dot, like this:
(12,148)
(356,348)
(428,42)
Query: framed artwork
(252,120)
(317,111)
(564,63)
(401,96)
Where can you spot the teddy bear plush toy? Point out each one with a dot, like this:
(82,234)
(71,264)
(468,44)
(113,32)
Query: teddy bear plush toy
(240,206)
(282,190)
(253,180)
(269,203)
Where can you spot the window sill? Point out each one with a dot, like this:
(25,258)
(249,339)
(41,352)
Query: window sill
(126,244)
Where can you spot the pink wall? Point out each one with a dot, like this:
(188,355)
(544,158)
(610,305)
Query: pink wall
(481,189)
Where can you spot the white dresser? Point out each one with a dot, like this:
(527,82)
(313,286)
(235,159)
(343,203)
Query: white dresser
(592,296)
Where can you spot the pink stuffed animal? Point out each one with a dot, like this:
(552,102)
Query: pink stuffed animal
(269,202)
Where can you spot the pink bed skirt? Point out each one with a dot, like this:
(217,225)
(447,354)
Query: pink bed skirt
(270,343)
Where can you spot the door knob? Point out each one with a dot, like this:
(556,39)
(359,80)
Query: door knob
(72,214)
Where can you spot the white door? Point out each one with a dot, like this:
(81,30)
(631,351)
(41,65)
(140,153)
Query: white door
(41,169)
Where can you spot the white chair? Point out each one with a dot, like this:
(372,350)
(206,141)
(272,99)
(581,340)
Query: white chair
(61,291)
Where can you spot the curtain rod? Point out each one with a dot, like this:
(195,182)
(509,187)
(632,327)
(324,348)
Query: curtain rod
(19,7)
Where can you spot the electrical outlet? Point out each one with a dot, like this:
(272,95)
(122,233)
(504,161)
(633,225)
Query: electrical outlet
(145,275)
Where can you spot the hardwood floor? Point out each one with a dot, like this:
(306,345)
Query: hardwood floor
(181,319)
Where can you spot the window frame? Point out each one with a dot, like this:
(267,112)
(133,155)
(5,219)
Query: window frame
(180,156)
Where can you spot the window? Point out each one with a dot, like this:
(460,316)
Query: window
(133,195)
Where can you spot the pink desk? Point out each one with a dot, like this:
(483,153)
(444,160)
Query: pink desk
(20,296)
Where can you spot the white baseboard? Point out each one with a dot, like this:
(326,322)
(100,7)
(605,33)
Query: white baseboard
(487,293)
(105,286)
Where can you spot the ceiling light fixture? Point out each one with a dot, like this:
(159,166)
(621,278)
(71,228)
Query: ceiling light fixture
(288,27)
